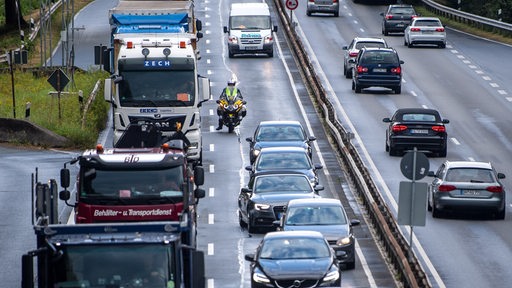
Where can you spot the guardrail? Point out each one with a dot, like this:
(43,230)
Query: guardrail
(401,257)
(483,23)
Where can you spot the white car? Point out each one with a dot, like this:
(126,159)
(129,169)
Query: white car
(352,50)
(425,30)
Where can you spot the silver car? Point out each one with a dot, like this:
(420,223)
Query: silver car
(466,186)
(323,6)
(354,47)
(425,30)
(327,216)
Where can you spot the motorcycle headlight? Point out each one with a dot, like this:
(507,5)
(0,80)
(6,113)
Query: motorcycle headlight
(261,206)
(226,106)
(236,106)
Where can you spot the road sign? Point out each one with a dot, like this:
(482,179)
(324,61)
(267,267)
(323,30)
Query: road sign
(292,4)
(412,203)
(58,80)
(414,171)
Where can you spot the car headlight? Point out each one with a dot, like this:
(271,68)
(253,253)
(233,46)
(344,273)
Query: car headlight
(343,241)
(256,152)
(261,206)
(332,276)
(259,277)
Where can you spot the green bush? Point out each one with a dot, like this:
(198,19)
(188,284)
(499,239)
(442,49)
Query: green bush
(67,121)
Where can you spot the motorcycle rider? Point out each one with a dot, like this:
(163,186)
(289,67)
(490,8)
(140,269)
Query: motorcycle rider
(229,93)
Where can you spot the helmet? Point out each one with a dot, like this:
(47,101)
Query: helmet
(232,82)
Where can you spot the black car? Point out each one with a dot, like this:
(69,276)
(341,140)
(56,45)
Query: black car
(285,158)
(262,202)
(397,17)
(377,67)
(294,259)
(416,127)
(279,133)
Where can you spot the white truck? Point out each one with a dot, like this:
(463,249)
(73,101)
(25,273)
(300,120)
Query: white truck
(153,62)
(250,29)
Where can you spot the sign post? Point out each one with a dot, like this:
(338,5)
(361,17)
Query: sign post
(292,5)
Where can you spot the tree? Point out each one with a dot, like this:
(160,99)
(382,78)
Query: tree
(12,12)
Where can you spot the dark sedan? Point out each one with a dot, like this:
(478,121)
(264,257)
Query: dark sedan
(262,202)
(294,259)
(285,158)
(279,133)
(416,127)
(397,17)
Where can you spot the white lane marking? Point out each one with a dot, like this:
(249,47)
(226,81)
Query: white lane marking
(211,250)
(211,218)
(455,141)
(211,192)
(212,168)
(212,147)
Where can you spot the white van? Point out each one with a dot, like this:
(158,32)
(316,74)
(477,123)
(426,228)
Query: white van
(250,29)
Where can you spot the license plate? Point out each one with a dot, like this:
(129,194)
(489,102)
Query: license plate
(419,131)
(251,47)
(400,25)
(380,70)
(427,32)
(471,192)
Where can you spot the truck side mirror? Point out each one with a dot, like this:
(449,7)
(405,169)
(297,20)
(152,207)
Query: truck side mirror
(64,178)
(199,25)
(199,175)
(226,29)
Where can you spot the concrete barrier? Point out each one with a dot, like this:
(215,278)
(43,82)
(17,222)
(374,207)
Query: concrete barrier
(24,132)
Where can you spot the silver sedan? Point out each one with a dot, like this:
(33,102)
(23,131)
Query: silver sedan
(466,186)
(425,30)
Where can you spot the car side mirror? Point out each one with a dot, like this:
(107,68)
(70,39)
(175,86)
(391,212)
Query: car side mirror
(318,166)
(501,176)
(248,139)
(311,138)
(319,188)
(248,168)
(431,174)
(246,190)
(446,121)
(249,257)
(386,120)
(354,222)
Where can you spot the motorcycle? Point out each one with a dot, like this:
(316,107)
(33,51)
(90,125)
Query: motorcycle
(233,111)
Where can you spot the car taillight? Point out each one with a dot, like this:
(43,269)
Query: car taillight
(398,128)
(334,1)
(352,54)
(396,70)
(389,17)
(446,188)
(440,29)
(494,189)
(439,128)
(414,16)
(361,69)
(414,29)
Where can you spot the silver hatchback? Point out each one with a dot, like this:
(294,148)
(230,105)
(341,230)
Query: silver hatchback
(464,185)
(323,6)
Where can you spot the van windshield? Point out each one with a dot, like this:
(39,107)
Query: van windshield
(250,22)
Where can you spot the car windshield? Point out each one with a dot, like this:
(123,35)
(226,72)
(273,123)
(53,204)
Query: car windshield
(290,133)
(282,183)
(419,117)
(283,161)
(474,175)
(250,22)
(294,248)
(303,216)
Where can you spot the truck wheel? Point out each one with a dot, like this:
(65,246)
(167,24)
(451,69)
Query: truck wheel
(230,54)
(271,54)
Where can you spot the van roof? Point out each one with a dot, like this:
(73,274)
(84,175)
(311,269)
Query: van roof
(249,9)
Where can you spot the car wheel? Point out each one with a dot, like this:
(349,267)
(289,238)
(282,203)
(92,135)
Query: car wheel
(398,89)
(405,42)
(385,32)
(350,265)
(348,74)
(429,206)
(387,147)
(500,215)
(442,153)
(409,44)
(250,228)
(336,14)
(442,45)
(436,213)
(353,85)
(308,13)
(241,220)
(357,88)
(344,69)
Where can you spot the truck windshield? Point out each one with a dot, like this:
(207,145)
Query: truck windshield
(157,88)
(142,265)
(131,184)
(250,22)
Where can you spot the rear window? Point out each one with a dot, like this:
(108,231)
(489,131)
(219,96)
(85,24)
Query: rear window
(360,45)
(419,117)
(470,175)
(433,23)
(402,10)
(380,57)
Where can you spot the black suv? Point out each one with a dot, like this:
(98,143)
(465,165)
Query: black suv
(397,17)
(377,67)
